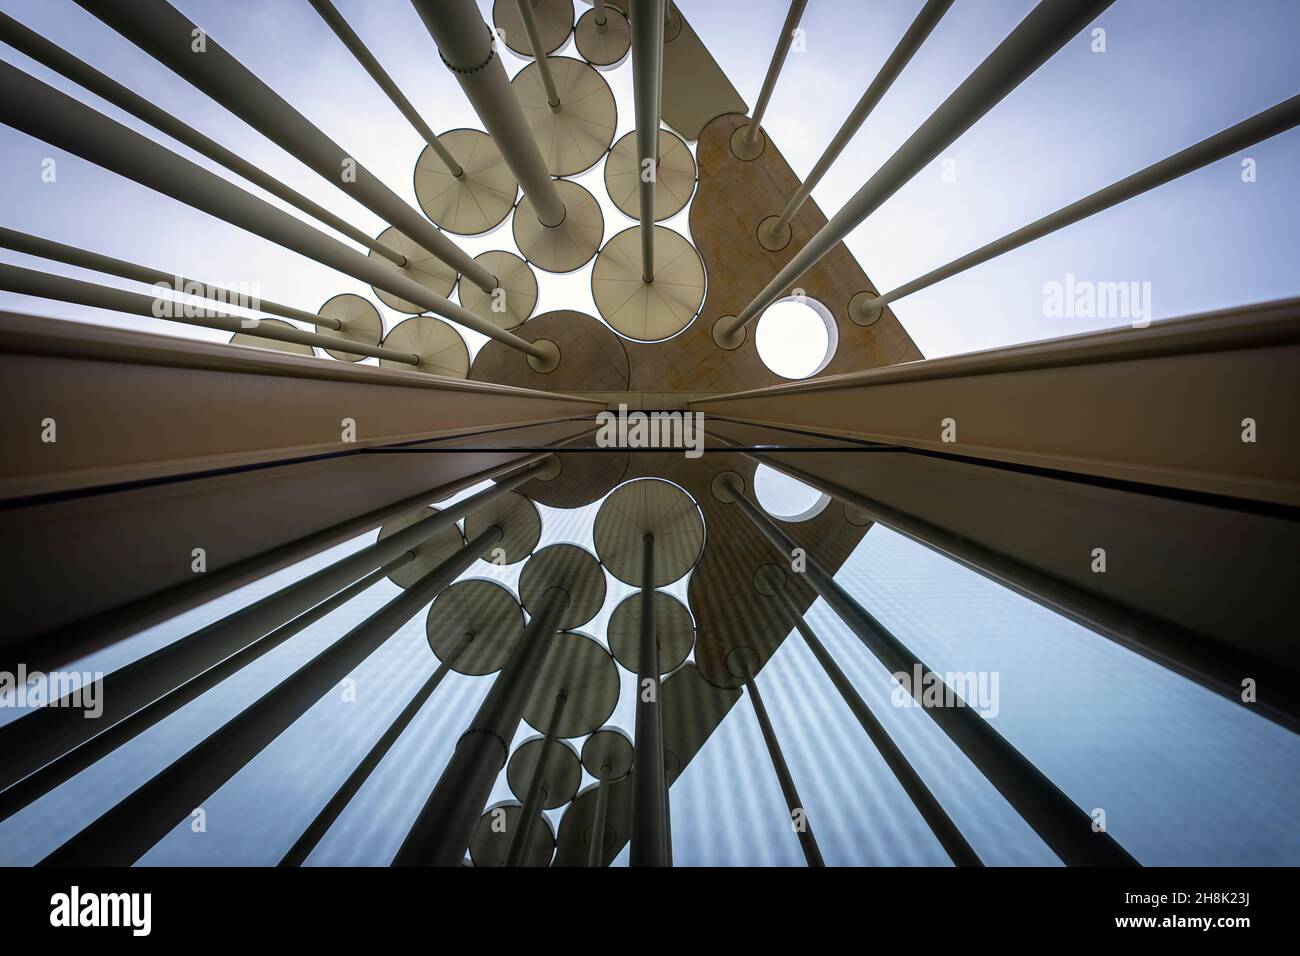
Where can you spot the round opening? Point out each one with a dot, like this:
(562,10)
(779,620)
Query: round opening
(796,337)
(787,498)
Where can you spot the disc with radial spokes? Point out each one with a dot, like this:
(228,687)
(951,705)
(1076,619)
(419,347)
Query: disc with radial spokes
(438,346)
(361,323)
(511,307)
(561,774)
(674,176)
(492,833)
(648,311)
(571,568)
(554,23)
(483,609)
(521,526)
(575,136)
(603,46)
(660,509)
(568,245)
(580,669)
(256,341)
(608,747)
(673,629)
(428,554)
(480,198)
(421,265)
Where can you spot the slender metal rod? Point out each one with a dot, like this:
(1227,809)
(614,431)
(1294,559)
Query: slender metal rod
(534,35)
(950,838)
(1261,126)
(41,736)
(1047,28)
(441,833)
(792,17)
(336,22)
(302,847)
(538,787)
(602,19)
(36,785)
(649,785)
(1064,827)
(166,34)
(84,259)
(466,44)
(126,832)
(812,854)
(64,63)
(47,286)
(647,22)
(916,34)
(596,852)
(35,108)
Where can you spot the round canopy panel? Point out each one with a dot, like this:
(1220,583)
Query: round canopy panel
(608,746)
(674,176)
(561,774)
(673,628)
(587,477)
(603,45)
(569,245)
(577,825)
(361,323)
(575,136)
(421,265)
(655,310)
(572,568)
(592,357)
(484,609)
(474,202)
(256,341)
(512,302)
(769,580)
(439,347)
(554,23)
(580,669)
(429,554)
(492,833)
(857,516)
(521,525)
(649,506)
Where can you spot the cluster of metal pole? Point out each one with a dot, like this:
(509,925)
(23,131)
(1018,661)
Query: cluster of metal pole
(49,746)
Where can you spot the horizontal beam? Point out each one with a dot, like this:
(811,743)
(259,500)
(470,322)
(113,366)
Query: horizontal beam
(1162,405)
(132,406)
(1198,589)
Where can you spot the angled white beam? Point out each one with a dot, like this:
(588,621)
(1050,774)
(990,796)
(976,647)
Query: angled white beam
(336,22)
(1047,28)
(466,44)
(916,34)
(45,285)
(782,49)
(65,64)
(166,34)
(647,22)
(39,110)
(84,259)
(1261,126)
